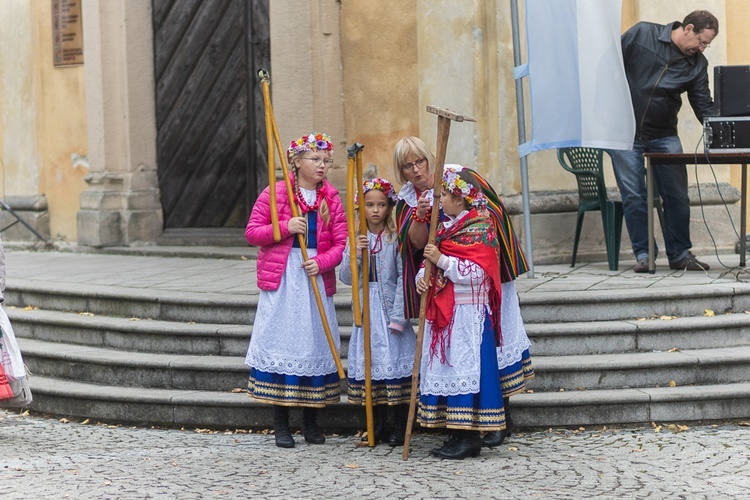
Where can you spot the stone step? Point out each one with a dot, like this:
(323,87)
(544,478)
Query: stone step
(629,304)
(621,336)
(643,369)
(136,369)
(536,307)
(548,339)
(132,334)
(224,373)
(225,410)
(164,305)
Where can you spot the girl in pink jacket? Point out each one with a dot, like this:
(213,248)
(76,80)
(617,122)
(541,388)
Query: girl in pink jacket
(289,357)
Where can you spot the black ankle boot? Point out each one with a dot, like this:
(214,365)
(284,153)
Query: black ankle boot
(463,444)
(379,424)
(496,438)
(310,428)
(401,415)
(281,427)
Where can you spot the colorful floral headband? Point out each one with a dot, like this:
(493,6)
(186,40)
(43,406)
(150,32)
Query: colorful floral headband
(459,187)
(311,142)
(377,183)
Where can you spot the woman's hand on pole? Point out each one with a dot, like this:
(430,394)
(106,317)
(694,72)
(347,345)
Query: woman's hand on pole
(421,285)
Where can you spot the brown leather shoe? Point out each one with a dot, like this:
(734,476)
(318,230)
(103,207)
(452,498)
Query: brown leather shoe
(689,263)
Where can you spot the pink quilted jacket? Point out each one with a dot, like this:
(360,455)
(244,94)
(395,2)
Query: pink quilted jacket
(272,256)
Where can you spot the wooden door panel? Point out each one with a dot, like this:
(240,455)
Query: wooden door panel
(211,147)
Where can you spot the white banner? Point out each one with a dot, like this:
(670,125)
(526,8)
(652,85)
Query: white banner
(579,92)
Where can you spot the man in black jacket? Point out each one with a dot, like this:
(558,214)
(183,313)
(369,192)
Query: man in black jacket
(661,63)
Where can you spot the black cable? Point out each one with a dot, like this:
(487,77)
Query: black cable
(726,208)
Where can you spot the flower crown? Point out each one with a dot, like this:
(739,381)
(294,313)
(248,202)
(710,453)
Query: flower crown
(380,184)
(310,142)
(459,187)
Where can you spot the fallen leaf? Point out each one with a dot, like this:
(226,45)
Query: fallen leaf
(674,349)
(352,466)
(682,428)
(708,312)
(672,383)
(85,422)
(657,428)
(85,314)
(512,448)
(667,318)
(457,473)
(672,427)
(63,420)
(135,319)
(238,389)
(640,319)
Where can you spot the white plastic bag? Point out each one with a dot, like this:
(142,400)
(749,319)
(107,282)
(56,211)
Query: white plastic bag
(10,354)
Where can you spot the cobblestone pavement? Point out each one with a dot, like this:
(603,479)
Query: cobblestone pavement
(48,458)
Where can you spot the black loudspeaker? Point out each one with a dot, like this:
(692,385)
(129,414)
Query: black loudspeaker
(732,90)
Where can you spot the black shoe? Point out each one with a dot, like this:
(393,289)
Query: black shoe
(689,263)
(641,266)
(310,428)
(281,432)
(495,438)
(465,444)
(449,442)
(401,415)
(380,429)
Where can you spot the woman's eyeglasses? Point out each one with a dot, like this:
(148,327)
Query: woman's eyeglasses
(408,167)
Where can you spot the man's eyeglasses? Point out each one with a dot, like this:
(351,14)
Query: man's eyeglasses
(317,161)
(705,45)
(408,167)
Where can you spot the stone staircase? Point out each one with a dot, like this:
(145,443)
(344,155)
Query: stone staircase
(164,358)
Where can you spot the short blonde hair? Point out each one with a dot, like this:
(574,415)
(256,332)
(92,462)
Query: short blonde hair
(415,146)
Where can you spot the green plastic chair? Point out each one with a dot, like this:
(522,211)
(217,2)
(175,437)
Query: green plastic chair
(588,167)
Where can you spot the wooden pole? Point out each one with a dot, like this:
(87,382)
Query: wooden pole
(365,303)
(264,77)
(303,248)
(351,188)
(443,131)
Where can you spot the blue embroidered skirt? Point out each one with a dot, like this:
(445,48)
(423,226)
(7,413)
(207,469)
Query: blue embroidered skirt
(294,390)
(482,411)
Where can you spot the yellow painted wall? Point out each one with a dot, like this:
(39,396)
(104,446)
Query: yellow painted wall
(61,129)
(44,117)
(381,82)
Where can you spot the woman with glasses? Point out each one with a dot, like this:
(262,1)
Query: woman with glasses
(414,168)
(289,356)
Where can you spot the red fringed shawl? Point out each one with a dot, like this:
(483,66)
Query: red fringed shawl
(472,238)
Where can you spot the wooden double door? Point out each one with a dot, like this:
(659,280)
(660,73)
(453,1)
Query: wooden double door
(211,140)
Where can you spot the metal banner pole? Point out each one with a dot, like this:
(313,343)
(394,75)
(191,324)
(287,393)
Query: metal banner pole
(522,139)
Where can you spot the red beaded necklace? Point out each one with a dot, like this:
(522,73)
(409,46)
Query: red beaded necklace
(302,204)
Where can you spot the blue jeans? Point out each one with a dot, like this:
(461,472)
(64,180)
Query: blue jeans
(671,182)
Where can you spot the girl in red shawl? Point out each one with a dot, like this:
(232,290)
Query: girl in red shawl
(459,386)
